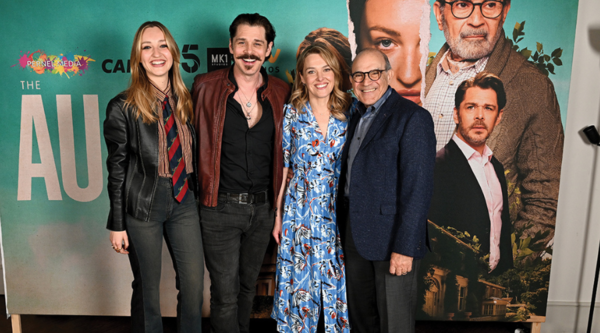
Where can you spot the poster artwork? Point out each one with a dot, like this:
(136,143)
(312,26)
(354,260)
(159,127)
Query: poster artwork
(458,281)
(53,202)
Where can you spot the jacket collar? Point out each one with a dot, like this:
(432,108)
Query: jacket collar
(263,91)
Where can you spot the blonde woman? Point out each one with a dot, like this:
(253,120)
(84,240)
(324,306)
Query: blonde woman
(311,281)
(150,181)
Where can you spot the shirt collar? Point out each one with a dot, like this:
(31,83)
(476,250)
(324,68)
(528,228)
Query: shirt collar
(162,94)
(373,109)
(479,65)
(263,72)
(471,153)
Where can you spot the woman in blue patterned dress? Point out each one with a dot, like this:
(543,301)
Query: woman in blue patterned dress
(311,279)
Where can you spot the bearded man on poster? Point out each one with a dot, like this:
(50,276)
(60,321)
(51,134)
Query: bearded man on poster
(239,117)
(529,140)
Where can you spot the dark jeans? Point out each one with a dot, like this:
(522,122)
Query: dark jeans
(236,237)
(179,224)
(377,300)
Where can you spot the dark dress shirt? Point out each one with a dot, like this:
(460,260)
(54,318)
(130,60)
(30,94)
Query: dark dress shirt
(246,153)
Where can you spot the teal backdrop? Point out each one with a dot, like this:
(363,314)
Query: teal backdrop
(53,201)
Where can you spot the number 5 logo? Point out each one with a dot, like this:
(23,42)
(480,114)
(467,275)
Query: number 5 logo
(190,56)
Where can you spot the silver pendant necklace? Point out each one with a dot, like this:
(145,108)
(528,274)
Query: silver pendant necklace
(248,102)
(248,112)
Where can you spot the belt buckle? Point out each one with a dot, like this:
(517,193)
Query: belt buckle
(244,198)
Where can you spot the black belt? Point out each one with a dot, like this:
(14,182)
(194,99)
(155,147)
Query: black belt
(244,198)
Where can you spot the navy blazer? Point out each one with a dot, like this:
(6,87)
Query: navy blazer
(391,182)
(458,202)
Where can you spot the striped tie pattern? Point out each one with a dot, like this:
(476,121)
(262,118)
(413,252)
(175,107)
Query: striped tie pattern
(176,161)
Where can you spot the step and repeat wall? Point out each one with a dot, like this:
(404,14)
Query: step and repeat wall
(61,65)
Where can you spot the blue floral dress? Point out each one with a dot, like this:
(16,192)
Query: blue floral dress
(310,261)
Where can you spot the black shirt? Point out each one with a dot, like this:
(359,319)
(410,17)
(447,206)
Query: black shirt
(247,153)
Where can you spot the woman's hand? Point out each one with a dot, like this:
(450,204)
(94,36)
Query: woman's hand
(290,175)
(119,241)
(277,228)
(279,211)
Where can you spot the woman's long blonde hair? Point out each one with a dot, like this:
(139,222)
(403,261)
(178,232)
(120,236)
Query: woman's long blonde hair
(339,100)
(140,94)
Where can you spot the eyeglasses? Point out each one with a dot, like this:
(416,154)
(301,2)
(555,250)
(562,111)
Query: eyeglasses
(463,9)
(374,75)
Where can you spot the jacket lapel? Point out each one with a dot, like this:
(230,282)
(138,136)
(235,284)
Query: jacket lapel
(375,126)
(385,111)
(499,56)
(350,134)
(470,181)
(431,72)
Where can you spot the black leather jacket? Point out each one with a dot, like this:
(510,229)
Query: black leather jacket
(132,163)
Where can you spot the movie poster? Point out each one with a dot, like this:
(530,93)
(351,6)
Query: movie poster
(479,270)
(62,64)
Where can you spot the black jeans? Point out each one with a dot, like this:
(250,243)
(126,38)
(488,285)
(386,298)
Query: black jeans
(179,224)
(236,237)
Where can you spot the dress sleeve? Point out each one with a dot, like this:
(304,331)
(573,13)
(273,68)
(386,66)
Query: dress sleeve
(288,115)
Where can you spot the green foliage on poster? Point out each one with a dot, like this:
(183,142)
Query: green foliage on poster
(544,62)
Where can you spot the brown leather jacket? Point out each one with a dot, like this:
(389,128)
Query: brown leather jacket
(210,93)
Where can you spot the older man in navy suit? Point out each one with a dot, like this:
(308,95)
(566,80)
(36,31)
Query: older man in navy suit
(387,178)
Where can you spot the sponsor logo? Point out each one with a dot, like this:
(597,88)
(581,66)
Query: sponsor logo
(115,66)
(274,57)
(69,64)
(191,62)
(218,58)
(269,65)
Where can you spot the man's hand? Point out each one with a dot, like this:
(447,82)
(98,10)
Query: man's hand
(400,264)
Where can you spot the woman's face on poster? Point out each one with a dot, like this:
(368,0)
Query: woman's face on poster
(392,26)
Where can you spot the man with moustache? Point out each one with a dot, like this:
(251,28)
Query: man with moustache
(529,141)
(470,192)
(387,177)
(239,117)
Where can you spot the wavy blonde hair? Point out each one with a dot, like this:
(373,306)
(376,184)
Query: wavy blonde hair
(140,94)
(338,44)
(339,100)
